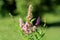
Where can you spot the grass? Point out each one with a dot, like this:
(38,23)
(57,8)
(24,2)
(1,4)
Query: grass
(52,33)
(8,30)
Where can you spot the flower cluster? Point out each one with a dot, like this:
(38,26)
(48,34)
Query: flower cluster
(28,27)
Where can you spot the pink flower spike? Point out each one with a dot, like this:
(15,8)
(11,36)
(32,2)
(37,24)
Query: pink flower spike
(21,22)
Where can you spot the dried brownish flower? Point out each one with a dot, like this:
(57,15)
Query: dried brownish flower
(29,16)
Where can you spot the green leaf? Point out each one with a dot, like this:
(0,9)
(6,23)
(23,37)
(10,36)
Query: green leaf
(33,19)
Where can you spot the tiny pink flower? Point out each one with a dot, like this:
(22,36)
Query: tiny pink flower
(27,31)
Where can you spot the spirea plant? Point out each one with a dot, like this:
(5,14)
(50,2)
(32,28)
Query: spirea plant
(29,31)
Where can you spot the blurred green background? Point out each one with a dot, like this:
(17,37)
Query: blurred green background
(45,8)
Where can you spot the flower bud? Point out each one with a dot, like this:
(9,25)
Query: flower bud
(21,22)
(33,28)
(38,21)
(29,17)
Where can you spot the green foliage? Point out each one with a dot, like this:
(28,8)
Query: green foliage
(36,35)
